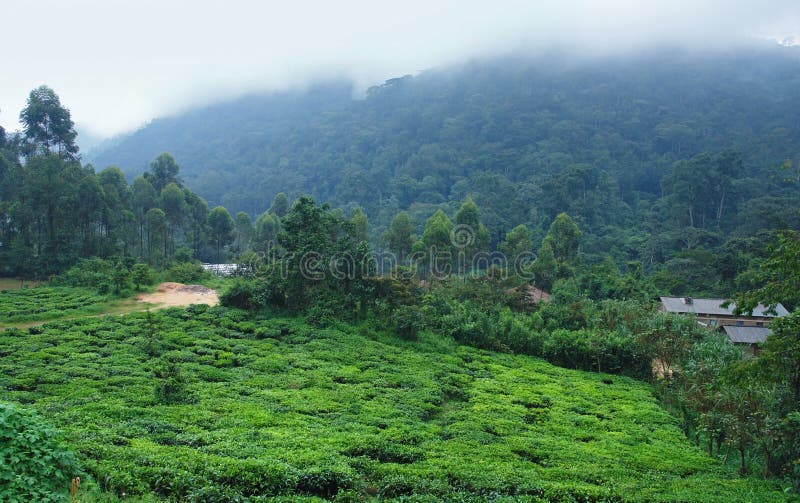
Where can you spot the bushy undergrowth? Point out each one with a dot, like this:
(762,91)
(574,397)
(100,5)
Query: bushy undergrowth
(34,465)
(586,335)
(280,408)
(186,272)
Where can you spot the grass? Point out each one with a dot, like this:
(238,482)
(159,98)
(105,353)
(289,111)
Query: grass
(276,407)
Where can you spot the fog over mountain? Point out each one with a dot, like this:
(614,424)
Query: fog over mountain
(118,64)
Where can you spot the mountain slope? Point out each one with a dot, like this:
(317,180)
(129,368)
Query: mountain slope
(517,117)
(528,138)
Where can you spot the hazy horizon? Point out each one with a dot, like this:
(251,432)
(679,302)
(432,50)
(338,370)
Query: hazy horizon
(117,66)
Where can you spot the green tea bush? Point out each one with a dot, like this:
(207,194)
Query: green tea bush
(300,413)
(44,303)
(34,464)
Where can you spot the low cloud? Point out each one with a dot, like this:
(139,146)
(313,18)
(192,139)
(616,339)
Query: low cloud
(117,64)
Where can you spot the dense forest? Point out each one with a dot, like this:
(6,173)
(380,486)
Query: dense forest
(667,158)
(55,211)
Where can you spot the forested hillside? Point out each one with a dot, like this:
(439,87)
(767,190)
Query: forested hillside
(611,142)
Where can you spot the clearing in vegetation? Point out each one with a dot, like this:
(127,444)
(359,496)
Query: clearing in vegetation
(210,404)
(180,295)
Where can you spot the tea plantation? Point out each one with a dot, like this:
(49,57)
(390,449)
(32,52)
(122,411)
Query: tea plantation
(47,303)
(209,404)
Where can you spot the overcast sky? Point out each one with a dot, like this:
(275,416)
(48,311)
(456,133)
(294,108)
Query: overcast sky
(118,64)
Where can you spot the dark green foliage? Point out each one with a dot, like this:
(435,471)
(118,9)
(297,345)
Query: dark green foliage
(221,225)
(171,386)
(47,125)
(239,294)
(653,156)
(141,275)
(106,276)
(56,211)
(400,235)
(36,466)
(408,322)
(321,265)
(778,278)
(186,272)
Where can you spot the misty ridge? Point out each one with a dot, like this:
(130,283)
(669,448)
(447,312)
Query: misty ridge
(500,129)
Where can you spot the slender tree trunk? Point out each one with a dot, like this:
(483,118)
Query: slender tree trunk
(767,461)
(742,466)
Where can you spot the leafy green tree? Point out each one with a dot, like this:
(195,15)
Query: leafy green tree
(116,198)
(778,276)
(701,383)
(668,340)
(266,231)
(50,189)
(244,231)
(156,222)
(517,241)
(400,235)
(47,126)
(361,224)
(564,238)
(305,233)
(163,171)
(280,205)
(545,268)
(173,202)
(197,213)
(437,242)
(143,197)
(141,275)
(470,236)
(221,225)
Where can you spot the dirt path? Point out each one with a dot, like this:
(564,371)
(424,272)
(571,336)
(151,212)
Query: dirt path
(179,295)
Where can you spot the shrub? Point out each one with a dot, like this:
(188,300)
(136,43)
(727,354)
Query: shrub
(104,275)
(141,275)
(186,272)
(183,254)
(239,295)
(171,384)
(321,314)
(407,322)
(35,466)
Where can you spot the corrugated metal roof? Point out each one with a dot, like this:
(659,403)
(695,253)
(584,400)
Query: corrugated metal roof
(713,307)
(746,335)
